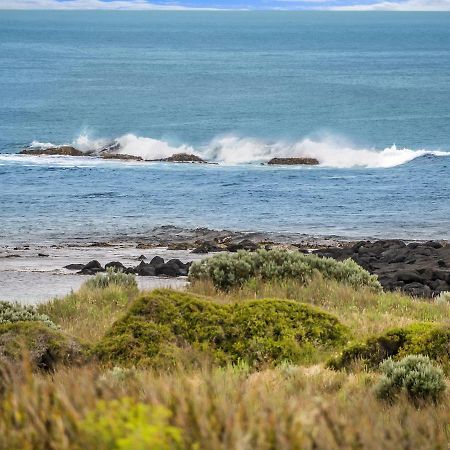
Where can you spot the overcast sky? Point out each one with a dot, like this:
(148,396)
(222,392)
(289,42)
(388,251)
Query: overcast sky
(356,5)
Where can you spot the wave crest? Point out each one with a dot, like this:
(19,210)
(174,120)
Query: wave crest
(330,151)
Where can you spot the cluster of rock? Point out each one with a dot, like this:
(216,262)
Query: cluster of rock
(156,267)
(293,162)
(110,151)
(224,246)
(419,269)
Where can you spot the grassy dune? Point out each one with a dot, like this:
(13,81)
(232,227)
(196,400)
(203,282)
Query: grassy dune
(229,406)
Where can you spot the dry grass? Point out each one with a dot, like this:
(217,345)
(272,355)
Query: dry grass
(365,312)
(232,408)
(88,313)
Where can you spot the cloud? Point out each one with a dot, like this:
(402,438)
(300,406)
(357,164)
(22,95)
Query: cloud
(408,5)
(329,5)
(92,4)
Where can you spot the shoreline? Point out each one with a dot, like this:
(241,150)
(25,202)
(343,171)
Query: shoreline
(32,273)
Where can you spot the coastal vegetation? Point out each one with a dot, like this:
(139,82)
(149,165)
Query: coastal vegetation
(320,361)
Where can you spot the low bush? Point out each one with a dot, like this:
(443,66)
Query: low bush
(125,424)
(112,277)
(414,375)
(14,312)
(164,326)
(45,347)
(230,270)
(427,339)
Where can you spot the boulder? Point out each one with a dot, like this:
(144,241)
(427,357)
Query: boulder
(417,290)
(93,265)
(293,162)
(181,158)
(116,265)
(120,157)
(170,270)
(245,244)
(65,150)
(156,261)
(74,266)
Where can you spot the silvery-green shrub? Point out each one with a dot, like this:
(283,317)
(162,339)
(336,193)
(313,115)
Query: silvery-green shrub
(443,297)
(112,277)
(14,312)
(415,375)
(228,270)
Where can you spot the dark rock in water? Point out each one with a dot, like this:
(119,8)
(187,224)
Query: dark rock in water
(145,270)
(43,255)
(116,265)
(171,270)
(207,247)
(156,261)
(181,158)
(293,162)
(93,271)
(94,264)
(65,150)
(74,266)
(245,244)
(142,258)
(121,157)
(177,263)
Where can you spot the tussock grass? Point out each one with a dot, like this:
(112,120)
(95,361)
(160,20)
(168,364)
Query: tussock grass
(89,312)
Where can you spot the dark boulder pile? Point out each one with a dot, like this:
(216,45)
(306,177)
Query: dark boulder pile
(418,269)
(156,267)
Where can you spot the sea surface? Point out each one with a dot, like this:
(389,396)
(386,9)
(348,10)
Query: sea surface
(367,94)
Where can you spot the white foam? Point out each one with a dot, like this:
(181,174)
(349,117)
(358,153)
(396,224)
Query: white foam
(330,151)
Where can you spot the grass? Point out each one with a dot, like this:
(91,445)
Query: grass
(289,407)
(88,313)
(293,407)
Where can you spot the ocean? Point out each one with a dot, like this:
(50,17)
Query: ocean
(367,94)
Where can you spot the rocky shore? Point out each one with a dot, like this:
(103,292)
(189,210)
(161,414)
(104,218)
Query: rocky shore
(421,269)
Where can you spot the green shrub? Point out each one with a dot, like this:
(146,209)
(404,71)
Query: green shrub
(125,424)
(427,339)
(45,347)
(229,270)
(164,325)
(414,375)
(14,312)
(112,277)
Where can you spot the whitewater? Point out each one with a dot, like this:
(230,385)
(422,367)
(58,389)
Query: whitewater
(330,151)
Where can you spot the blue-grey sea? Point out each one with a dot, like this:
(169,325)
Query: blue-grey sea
(367,94)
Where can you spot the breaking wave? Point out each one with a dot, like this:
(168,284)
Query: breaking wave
(330,151)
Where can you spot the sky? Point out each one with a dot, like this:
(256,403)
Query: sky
(347,5)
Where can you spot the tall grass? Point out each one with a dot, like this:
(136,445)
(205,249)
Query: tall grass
(89,312)
(230,408)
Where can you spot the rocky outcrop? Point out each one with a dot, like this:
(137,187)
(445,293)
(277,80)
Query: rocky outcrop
(120,157)
(156,267)
(293,162)
(65,150)
(182,158)
(419,269)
